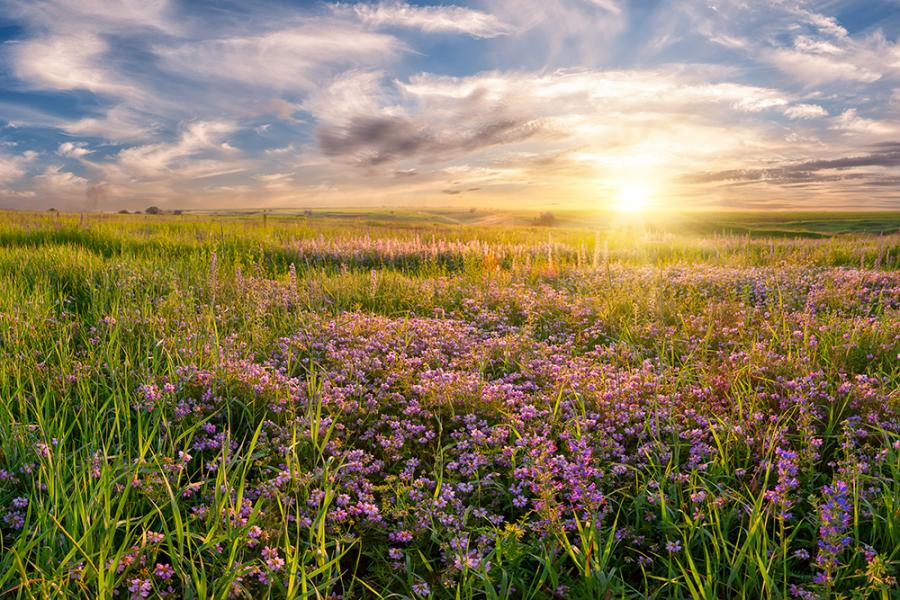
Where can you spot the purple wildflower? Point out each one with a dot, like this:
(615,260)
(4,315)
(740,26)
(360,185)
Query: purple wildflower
(270,556)
(834,519)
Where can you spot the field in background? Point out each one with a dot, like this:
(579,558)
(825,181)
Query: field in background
(450,404)
(757,223)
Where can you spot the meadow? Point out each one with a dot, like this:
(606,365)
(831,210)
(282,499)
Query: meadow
(455,405)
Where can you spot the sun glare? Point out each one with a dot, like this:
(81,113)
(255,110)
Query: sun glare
(633,197)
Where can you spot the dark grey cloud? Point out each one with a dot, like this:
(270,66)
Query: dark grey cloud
(379,139)
(374,140)
(881,155)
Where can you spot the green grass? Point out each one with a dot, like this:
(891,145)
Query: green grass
(724,307)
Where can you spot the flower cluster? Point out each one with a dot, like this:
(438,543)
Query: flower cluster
(420,416)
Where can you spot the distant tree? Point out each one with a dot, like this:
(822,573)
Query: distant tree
(472,211)
(124,211)
(177,211)
(52,210)
(307,212)
(153,210)
(545,219)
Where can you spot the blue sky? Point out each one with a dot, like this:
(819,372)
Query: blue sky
(525,103)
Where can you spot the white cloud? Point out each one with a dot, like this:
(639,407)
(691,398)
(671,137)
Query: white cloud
(198,153)
(619,119)
(588,91)
(851,122)
(813,49)
(118,124)
(816,69)
(557,33)
(807,44)
(10,169)
(174,71)
(73,15)
(349,94)
(73,149)
(56,176)
(728,41)
(64,187)
(69,62)
(69,48)
(292,60)
(430,19)
(608,5)
(805,111)
(14,167)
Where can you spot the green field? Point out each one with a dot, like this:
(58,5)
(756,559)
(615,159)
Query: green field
(757,223)
(450,404)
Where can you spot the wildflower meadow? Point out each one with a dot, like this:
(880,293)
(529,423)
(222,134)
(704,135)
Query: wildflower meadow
(369,407)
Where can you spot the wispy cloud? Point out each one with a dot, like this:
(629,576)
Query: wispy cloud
(200,151)
(294,59)
(815,69)
(13,167)
(73,149)
(852,122)
(877,167)
(430,19)
(805,111)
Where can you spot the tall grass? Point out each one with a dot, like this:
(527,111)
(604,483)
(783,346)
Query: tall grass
(209,407)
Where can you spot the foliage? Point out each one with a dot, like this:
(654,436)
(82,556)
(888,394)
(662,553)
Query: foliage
(209,407)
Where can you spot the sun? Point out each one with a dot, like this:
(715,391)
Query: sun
(633,197)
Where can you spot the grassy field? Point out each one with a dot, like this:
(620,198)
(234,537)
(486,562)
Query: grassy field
(447,404)
(756,223)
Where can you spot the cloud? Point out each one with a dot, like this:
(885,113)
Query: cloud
(66,63)
(73,149)
(15,166)
(805,111)
(275,182)
(198,153)
(885,155)
(811,48)
(851,122)
(56,182)
(375,140)
(293,59)
(610,6)
(563,33)
(150,68)
(362,121)
(566,133)
(347,95)
(117,124)
(434,118)
(815,69)
(11,168)
(71,47)
(129,15)
(591,91)
(430,19)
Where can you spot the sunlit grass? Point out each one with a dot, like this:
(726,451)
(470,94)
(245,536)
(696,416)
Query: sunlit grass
(294,345)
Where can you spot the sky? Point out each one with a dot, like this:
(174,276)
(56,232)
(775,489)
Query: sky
(108,105)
